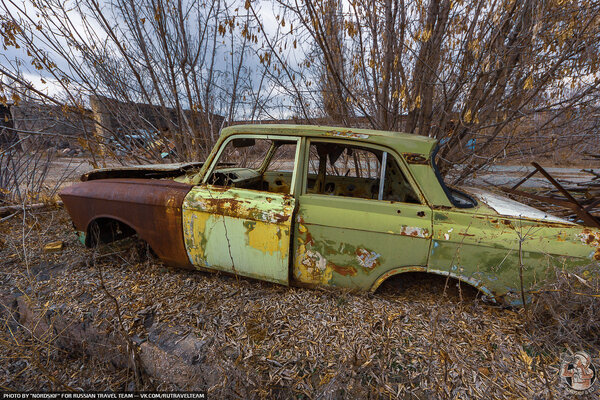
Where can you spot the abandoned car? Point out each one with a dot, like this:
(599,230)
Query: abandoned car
(310,205)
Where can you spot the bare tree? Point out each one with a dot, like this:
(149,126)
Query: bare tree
(172,73)
(471,74)
(479,76)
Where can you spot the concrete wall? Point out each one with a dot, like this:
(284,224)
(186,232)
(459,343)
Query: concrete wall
(115,117)
(45,125)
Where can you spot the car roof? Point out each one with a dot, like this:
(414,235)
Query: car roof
(402,142)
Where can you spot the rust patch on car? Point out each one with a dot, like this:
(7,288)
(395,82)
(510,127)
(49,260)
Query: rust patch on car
(280,218)
(347,134)
(156,171)
(415,158)
(219,189)
(590,237)
(227,206)
(309,239)
(233,206)
(347,270)
(316,266)
(367,259)
(414,231)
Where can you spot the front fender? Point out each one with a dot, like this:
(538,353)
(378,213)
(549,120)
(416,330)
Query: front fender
(151,207)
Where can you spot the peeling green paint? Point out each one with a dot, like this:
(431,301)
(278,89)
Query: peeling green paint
(351,242)
(358,242)
(478,247)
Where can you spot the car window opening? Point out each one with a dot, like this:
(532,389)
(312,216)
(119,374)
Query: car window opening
(354,171)
(258,164)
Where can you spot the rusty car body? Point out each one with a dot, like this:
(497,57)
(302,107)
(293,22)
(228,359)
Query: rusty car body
(310,205)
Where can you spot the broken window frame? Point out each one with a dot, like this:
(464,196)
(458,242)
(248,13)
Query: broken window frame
(302,190)
(265,163)
(382,175)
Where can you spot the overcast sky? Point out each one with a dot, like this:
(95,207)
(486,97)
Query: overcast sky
(17,59)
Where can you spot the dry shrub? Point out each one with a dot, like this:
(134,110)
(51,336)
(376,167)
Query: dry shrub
(567,311)
(22,173)
(34,175)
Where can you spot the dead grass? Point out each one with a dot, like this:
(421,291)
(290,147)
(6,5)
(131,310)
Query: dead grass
(406,341)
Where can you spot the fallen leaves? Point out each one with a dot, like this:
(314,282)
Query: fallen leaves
(54,246)
(281,342)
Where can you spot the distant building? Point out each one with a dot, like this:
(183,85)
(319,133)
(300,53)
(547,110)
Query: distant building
(31,124)
(114,117)
(7,134)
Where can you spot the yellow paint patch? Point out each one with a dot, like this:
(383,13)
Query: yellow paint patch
(54,246)
(194,226)
(171,205)
(312,267)
(265,237)
(327,275)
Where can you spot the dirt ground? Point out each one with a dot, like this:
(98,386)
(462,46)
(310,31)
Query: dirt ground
(64,170)
(416,338)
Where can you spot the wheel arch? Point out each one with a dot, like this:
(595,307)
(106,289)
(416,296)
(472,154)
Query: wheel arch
(106,229)
(469,281)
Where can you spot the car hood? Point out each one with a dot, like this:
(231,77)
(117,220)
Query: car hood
(507,207)
(154,171)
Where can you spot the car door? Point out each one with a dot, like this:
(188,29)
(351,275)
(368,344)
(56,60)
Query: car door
(239,219)
(350,228)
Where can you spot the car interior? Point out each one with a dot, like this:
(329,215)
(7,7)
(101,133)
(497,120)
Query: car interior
(334,169)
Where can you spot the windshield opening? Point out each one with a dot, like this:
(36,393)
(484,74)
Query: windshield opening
(457,198)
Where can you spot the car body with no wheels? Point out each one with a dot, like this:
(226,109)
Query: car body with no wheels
(312,205)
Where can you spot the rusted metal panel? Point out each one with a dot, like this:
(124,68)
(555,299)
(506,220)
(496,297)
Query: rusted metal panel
(151,171)
(241,231)
(151,207)
(568,202)
(412,158)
